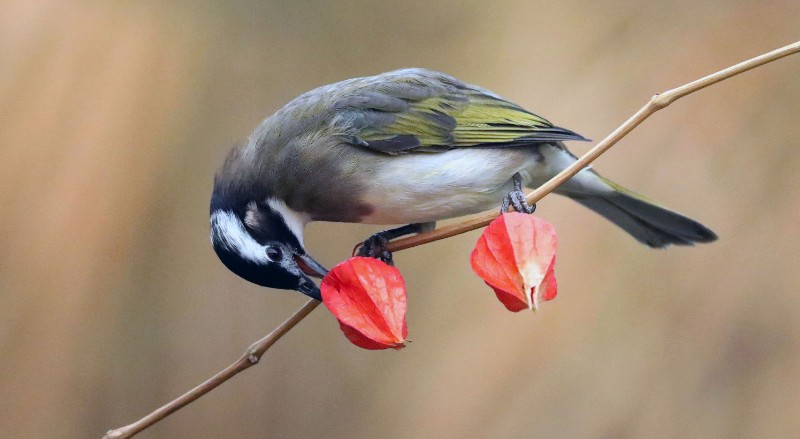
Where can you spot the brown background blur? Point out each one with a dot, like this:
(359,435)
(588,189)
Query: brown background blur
(115,115)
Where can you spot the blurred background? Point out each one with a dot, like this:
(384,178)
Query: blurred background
(114,117)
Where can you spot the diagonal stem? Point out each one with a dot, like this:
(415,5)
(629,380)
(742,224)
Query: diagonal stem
(254,353)
(656,103)
(250,357)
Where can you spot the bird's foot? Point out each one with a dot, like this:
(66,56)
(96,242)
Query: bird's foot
(517,198)
(376,246)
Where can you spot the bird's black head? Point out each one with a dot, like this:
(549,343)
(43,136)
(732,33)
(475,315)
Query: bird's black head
(262,243)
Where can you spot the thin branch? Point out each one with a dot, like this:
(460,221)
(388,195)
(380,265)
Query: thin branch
(250,357)
(656,103)
(254,353)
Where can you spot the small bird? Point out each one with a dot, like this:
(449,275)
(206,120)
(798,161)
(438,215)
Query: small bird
(411,146)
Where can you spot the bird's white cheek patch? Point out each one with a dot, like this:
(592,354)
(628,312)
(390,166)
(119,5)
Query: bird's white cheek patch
(227,230)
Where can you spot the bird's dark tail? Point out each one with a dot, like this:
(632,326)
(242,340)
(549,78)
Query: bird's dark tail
(649,223)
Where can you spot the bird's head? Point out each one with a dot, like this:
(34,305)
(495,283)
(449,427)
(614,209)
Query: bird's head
(263,243)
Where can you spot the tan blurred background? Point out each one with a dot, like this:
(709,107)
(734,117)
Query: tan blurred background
(115,115)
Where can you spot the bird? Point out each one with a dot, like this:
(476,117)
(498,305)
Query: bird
(412,147)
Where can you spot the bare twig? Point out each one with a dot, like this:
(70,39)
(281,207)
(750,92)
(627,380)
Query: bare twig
(254,353)
(656,103)
(250,357)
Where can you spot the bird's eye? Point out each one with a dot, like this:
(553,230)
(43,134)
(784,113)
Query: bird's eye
(274,253)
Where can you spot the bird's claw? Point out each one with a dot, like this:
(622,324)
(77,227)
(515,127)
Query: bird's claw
(376,246)
(517,198)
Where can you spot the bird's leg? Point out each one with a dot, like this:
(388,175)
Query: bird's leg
(376,246)
(516,198)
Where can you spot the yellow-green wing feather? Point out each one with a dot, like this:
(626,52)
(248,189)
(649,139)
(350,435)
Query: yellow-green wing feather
(454,115)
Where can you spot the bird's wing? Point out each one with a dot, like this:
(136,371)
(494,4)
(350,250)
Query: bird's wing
(419,110)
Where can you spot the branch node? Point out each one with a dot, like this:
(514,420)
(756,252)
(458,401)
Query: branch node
(252,356)
(660,100)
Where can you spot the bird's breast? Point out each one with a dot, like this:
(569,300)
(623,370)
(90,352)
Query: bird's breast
(423,187)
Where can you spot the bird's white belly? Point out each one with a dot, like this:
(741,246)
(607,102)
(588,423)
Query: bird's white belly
(417,188)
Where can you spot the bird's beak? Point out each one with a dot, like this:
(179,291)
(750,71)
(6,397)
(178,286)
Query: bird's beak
(309,266)
(309,288)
